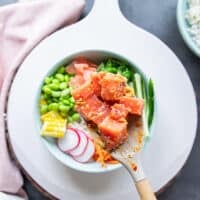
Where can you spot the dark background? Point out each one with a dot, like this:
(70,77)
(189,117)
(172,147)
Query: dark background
(159,18)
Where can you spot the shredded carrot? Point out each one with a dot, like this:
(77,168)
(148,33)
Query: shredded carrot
(134,166)
(102,156)
(112,162)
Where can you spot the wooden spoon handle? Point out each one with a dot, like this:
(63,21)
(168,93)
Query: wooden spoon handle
(145,191)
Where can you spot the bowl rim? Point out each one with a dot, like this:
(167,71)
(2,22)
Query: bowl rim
(51,70)
(181,22)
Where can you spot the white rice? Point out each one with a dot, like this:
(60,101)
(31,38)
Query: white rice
(193,18)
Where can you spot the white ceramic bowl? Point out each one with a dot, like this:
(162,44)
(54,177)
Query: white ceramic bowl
(183,26)
(91,167)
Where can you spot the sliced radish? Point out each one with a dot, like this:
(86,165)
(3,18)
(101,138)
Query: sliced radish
(70,141)
(79,150)
(82,131)
(88,153)
(86,134)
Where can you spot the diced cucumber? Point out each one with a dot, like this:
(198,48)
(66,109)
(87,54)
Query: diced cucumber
(150,102)
(141,94)
(144,90)
(138,85)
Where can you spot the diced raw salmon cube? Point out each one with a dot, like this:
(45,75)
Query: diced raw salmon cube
(83,92)
(83,60)
(83,70)
(118,112)
(95,79)
(113,132)
(133,105)
(77,81)
(88,73)
(80,65)
(113,87)
(93,109)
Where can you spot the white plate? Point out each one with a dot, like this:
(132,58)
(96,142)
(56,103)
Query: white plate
(174,130)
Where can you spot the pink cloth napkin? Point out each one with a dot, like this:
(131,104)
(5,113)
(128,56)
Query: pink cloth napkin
(22,26)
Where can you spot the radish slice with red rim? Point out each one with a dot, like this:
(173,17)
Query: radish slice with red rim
(88,153)
(70,141)
(82,131)
(80,149)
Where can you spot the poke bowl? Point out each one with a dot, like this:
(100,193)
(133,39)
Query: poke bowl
(87,105)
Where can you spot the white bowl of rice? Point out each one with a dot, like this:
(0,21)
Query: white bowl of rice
(188,19)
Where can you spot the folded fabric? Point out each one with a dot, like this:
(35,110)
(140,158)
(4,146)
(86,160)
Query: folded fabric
(4,196)
(22,26)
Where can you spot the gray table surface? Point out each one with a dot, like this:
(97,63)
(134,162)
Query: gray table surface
(159,18)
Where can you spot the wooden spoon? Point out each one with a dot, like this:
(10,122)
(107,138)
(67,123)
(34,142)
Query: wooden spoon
(130,159)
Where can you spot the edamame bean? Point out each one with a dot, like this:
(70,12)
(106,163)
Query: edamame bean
(46,96)
(43,109)
(47,80)
(56,81)
(61,70)
(49,101)
(65,101)
(67,78)
(65,92)
(56,93)
(55,99)
(61,98)
(63,108)
(53,106)
(54,86)
(75,116)
(69,119)
(71,99)
(71,105)
(63,85)
(46,89)
(60,77)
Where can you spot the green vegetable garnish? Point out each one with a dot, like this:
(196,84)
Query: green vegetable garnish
(53,107)
(148,96)
(43,109)
(150,102)
(61,70)
(54,86)
(60,77)
(75,117)
(116,66)
(56,95)
(140,94)
(63,85)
